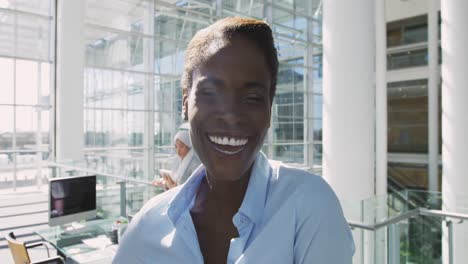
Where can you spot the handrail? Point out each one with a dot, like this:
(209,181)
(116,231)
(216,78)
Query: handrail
(69,167)
(442,214)
(407,215)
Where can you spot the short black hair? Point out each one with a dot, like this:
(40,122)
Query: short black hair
(226,29)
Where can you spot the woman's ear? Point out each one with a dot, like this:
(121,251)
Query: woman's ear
(185,104)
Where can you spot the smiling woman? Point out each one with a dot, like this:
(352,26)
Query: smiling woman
(238,205)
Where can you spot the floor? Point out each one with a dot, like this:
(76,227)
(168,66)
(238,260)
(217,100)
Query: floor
(23,211)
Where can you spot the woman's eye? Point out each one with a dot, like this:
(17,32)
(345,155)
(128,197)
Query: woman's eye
(208,92)
(254,98)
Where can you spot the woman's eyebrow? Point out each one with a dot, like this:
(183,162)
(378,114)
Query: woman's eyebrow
(256,85)
(210,80)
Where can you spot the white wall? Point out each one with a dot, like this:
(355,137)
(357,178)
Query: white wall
(400,9)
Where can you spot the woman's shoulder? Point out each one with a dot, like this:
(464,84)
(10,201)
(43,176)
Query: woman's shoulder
(158,204)
(298,177)
(290,181)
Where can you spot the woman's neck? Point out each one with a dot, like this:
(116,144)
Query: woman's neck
(229,194)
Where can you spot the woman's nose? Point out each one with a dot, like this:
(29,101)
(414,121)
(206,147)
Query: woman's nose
(231,112)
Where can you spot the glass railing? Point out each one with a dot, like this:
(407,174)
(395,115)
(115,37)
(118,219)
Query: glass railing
(406,227)
(116,194)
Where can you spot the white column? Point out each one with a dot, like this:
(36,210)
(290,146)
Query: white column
(69,91)
(380,237)
(309,95)
(348,98)
(433,95)
(455,120)
(380,98)
(148,62)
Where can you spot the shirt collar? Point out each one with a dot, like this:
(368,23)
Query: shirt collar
(254,200)
(255,196)
(184,197)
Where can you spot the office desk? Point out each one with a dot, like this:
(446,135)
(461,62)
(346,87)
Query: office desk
(75,247)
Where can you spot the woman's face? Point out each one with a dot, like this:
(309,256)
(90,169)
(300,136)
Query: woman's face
(181,148)
(229,109)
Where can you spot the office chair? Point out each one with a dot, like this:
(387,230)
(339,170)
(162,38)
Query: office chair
(19,250)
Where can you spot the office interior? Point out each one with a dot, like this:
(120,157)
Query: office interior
(371,95)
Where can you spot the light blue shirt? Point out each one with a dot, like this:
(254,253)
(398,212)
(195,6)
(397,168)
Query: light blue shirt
(287,216)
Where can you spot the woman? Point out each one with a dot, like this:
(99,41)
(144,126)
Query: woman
(187,162)
(238,207)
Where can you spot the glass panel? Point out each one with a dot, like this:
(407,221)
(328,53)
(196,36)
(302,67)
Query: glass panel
(44,130)
(114,89)
(318,74)
(290,50)
(318,103)
(289,153)
(407,59)
(24,36)
(124,15)
(289,24)
(318,129)
(45,84)
(407,31)
(169,57)
(164,130)
(407,116)
(115,49)
(420,240)
(296,5)
(253,8)
(26,128)
(174,23)
(6,81)
(394,37)
(26,82)
(409,176)
(6,130)
(33,6)
(415,34)
(318,153)
(113,128)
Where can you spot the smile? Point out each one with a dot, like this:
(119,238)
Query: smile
(228,145)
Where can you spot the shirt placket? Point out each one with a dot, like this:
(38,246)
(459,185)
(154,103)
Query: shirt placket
(189,234)
(237,246)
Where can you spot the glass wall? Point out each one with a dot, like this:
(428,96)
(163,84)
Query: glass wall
(134,60)
(407,116)
(26,90)
(407,43)
(134,54)
(408,102)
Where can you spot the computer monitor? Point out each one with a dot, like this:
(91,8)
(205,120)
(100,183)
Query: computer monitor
(72,199)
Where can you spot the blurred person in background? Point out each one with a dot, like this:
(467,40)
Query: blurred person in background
(186,163)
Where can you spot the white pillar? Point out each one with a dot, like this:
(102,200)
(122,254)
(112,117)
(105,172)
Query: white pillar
(380,98)
(381,133)
(309,95)
(433,95)
(69,88)
(148,64)
(455,120)
(348,98)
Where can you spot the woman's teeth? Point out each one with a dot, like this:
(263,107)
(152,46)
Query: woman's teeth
(229,141)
